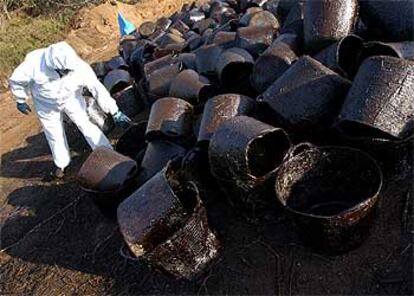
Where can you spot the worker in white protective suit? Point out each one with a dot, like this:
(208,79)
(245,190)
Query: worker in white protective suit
(55,78)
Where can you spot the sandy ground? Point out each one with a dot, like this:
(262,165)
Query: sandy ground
(55,241)
(95,36)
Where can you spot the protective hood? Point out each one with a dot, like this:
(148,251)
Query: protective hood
(61,56)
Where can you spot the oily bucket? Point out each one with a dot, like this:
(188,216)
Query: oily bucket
(330,193)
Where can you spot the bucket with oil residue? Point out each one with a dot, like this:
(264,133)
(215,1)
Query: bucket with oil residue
(247,4)
(132,142)
(106,170)
(99,69)
(191,249)
(234,67)
(202,26)
(255,39)
(165,223)
(390,20)
(157,154)
(170,119)
(146,29)
(402,50)
(157,64)
(195,15)
(117,80)
(158,82)
(116,63)
(394,156)
(223,15)
(155,211)
(260,18)
(274,61)
(129,102)
(158,33)
(244,153)
(163,23)
(188,60)
(343,56)
(307,97)
(193,40)
(207,37)
(380,103)
(108,177)
(140,57)
(170,43)
(192,87)
(293,23)
(326,22)
(127,46)
(222,37)
(220,108)
(206,59)
(180,26)
(247,151)
(330,193)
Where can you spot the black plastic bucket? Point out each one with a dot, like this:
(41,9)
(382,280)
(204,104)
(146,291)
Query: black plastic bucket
(331,194)
(328,21)
(220,108)
(307,97)
(170,119)
(380,103)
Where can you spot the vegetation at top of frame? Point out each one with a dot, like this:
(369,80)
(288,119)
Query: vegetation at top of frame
(48,7)
(23,34)
(26,25)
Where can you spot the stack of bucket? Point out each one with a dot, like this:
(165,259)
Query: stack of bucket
(305,106)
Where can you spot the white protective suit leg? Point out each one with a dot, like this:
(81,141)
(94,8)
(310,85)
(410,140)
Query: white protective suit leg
(75,108)
(52,121)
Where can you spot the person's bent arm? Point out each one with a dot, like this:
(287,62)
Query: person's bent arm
(98,91)
(19,82)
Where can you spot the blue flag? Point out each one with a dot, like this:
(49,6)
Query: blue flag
(125,26)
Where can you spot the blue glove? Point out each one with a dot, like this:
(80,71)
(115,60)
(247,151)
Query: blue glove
(24,108)
(121,119)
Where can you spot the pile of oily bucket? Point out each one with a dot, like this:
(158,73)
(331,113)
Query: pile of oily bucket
(294,105)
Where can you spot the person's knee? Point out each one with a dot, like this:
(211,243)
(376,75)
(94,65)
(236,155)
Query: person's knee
(95,134)
(54,134)
(86,126)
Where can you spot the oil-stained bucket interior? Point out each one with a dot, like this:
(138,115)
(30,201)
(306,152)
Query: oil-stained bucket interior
(236,73)
(361,130)
(265,153)
(348,54)
(344,178)
(186,192)
(206,92)
(132,142)
(378,49)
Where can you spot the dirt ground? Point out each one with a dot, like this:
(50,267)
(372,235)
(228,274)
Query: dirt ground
(55,241)
(95,32)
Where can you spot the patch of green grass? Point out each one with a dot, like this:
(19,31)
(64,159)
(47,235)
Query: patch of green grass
(22,34)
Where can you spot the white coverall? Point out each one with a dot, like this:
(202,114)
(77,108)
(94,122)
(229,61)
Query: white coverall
(53,95)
